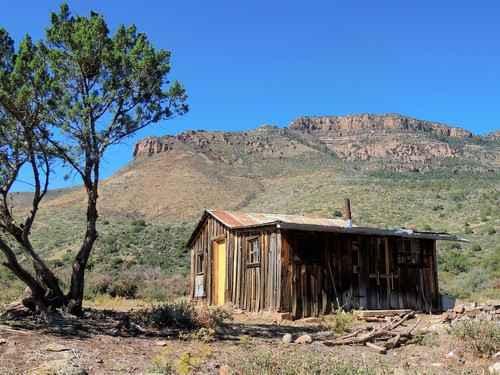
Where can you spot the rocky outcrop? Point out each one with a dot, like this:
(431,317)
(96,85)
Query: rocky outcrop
(404,143)
(494,136)
(392,142)
(367,123)
(230,147)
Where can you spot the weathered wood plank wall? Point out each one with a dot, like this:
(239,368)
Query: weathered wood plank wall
(313,273)
(250,287)
(322,271)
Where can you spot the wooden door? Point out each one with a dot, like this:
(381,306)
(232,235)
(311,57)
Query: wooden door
(219,272)
(381,276)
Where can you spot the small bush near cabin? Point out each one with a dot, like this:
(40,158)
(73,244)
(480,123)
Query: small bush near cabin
(340,321)
(181,315)
(482,337)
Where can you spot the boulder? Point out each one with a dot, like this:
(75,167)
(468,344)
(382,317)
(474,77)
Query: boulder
(453,355)
(304,339)
(494,369)
(59,366)
(287,338)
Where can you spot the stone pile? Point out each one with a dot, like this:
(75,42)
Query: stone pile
(486,311)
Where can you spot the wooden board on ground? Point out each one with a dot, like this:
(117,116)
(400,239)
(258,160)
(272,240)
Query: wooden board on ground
(380,313)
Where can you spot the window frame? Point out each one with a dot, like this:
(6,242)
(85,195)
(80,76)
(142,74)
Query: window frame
(253,258)
(200,265)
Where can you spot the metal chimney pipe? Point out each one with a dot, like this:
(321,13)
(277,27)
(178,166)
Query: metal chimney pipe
(348,212)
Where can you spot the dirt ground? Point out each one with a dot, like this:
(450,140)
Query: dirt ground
(97,348)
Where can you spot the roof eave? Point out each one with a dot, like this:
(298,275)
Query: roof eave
(372,231)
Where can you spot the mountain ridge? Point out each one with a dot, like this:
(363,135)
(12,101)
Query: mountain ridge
(392,141)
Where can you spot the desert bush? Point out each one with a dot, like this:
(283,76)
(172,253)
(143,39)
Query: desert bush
(453,261)
(430,339)
(125,287)
(181,314)
(482,337)
(340,321)
(476,247)
(491,231)
(298,363)
(175,314)
(208,317)
(99,284)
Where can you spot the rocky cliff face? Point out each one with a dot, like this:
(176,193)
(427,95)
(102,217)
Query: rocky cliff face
(391,142)
(379,124)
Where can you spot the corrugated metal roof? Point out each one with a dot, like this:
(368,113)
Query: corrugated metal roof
(242,220)
(234,219)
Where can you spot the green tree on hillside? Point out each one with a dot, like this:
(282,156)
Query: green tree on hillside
(68,98)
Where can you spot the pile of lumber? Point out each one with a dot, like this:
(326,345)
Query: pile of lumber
(381,339)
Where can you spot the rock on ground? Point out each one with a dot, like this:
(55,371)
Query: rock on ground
(287,338)
(494,369)
(304,339)
(59,366)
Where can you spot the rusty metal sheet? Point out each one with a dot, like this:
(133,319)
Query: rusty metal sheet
(235,219)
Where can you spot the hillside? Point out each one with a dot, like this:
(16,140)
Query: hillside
(398,171)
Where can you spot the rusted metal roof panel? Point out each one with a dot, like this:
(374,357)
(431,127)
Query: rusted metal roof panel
(244,220)
(235,219)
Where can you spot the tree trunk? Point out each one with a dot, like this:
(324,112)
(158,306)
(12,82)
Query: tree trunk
(75,295)
(37,289)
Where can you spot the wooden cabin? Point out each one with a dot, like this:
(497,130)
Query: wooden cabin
(311,266)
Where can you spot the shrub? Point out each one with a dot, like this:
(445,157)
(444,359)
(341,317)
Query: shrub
(126,288)
(340,321)
(430,339)
(476,247)
(491,231)
(482,337)
(177,314)
(100,284)
(337,213)
(454,262)
(298,363)
(183,315)
(211,317)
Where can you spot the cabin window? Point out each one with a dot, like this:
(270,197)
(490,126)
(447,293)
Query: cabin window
(199,263)
(409,253)
(253,251)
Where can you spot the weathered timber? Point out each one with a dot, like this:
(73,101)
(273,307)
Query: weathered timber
(308,272)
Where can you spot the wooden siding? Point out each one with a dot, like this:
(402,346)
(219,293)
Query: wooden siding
(312,273)
(322,271)
(253,287)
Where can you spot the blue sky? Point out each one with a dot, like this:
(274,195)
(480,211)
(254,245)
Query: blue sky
(254,62)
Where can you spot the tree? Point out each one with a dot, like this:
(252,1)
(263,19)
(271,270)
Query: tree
(90,90)
(24,94)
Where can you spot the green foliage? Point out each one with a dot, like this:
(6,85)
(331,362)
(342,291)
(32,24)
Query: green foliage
(476,247)
(482,337)
(454,261)
(183,315)
(430,339)
(339,322)
(337,213)
(259,362)
(174,314)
